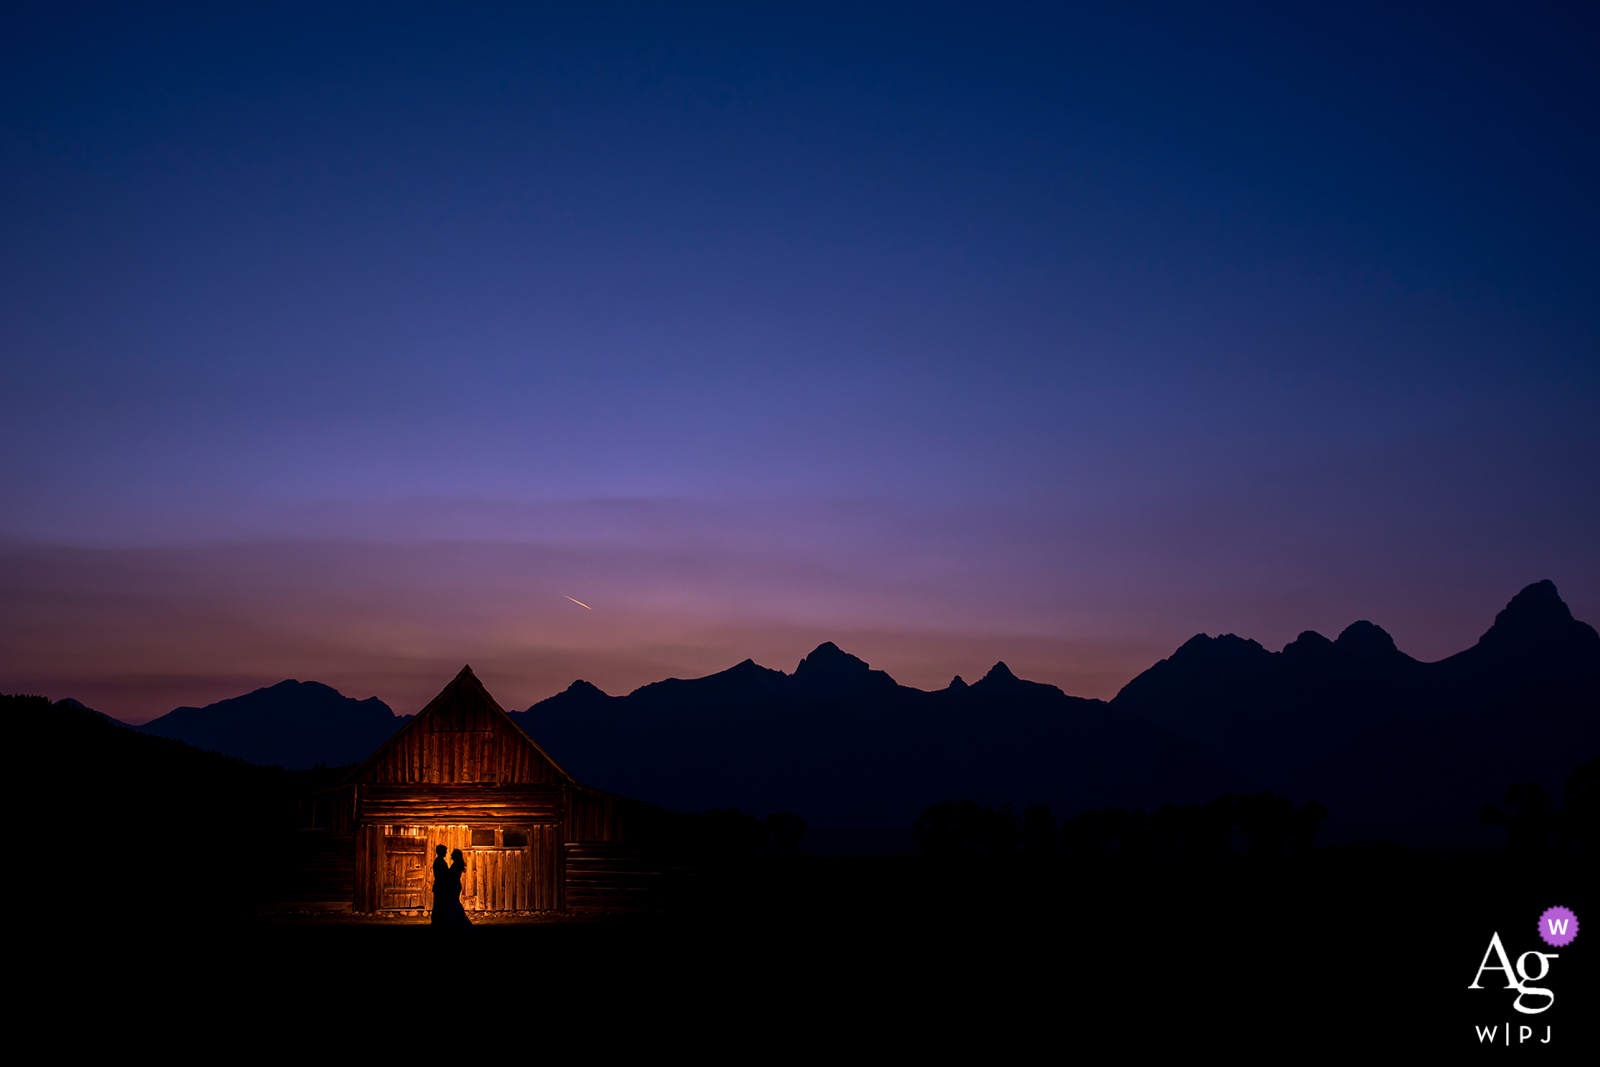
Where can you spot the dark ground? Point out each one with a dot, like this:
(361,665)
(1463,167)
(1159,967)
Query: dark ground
(1360,949)
(132,931)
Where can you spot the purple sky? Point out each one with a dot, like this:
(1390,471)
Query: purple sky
(345,346)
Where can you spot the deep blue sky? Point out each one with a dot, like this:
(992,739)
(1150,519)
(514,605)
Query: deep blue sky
(939,331)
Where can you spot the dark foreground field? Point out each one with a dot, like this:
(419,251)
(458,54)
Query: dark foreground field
(1357,949)
(137,926)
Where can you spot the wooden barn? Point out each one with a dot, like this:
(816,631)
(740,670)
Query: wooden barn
(463,774)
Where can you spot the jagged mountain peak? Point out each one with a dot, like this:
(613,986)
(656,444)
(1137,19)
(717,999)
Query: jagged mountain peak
(1219,652)
(1537,598)
(1368,641)
(1001,681)
(998,673)
(1221,642)
(1537,625)
(742,675)
(828,660)
(830,669)
(1309,643)
(1538,609)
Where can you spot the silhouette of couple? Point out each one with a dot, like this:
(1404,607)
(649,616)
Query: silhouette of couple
(448,914)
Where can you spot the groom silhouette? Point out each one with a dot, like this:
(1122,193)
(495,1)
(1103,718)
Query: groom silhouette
(441,869)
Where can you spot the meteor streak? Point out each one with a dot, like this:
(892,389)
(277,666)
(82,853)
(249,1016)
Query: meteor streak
(580,603)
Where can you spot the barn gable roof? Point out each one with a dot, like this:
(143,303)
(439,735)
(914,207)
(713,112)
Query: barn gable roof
(446,742)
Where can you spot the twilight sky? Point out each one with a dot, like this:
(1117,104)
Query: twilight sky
(344,345)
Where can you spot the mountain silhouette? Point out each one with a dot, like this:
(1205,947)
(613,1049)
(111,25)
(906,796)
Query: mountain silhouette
(850,748)
(1393,746)
(292,724)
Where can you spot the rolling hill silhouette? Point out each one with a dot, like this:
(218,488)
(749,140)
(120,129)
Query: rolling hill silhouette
(292,724)
(1393,746)
(155,805)
(848,747)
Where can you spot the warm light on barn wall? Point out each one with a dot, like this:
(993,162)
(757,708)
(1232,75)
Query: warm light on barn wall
(462,756)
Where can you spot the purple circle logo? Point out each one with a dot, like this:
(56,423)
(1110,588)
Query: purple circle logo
(1558,926)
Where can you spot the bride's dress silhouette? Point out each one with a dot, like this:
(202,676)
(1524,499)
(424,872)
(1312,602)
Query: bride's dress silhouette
(448,914)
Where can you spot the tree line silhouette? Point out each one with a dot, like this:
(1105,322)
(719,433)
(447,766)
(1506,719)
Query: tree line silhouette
(1534,827)
(728,835)
(1257,824)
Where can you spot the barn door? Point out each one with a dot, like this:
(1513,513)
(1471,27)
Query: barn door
(499,869)
(404,872)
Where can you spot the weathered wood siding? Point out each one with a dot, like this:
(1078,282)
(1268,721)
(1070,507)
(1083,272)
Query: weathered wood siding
(332,810)
(618,853)
(590,815)
(462,737)
(421,755)
(462,765)
(477,804)
(315,872)
(394,867)
(593,815)
(609,875)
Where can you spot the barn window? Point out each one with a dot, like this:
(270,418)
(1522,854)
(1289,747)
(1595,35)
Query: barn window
(482,837)
(515,838)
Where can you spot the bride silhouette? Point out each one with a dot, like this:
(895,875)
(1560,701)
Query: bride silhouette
(448,914)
